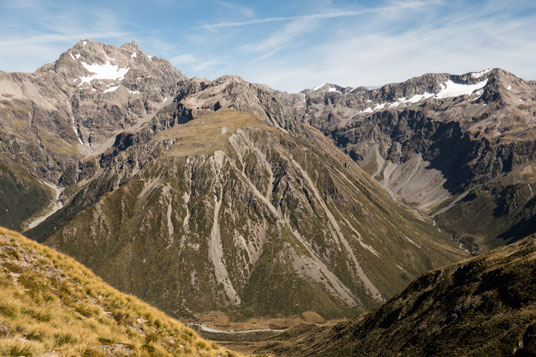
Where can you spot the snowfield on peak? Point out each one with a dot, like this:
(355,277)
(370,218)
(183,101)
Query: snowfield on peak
(111,89)
(320,86)
(449,89)
(103,71)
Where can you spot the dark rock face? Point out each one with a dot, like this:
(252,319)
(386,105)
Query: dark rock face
(436,138)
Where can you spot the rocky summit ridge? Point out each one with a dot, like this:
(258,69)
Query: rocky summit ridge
(200,195)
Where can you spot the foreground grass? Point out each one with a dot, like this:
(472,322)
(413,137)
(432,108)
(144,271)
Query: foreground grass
(49,303)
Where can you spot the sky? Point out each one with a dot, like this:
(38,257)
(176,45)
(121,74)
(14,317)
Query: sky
(288,44)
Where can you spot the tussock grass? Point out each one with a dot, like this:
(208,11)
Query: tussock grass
(51,303)
(209,133)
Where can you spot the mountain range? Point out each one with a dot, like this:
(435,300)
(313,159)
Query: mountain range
(460,148)
(197,195)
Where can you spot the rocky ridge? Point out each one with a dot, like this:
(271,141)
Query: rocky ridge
(455,146)
(69,110)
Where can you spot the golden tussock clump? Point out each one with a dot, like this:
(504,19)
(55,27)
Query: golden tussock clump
(51,305)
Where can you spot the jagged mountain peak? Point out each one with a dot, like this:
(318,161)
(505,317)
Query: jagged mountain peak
(89,64)
(439,137)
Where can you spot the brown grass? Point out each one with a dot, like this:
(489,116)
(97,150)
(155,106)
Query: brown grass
(51,303)
(209,133)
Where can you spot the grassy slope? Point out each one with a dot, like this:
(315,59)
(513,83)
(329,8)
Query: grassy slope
(49,302)
(482,306)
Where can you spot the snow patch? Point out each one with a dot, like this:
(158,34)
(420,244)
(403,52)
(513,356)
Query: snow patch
(509,87)
(478,94)
(481,73)
(77,56)
(108,58)
(380,106)
(111,89)
(76,130)
(84,43)
(418,97)
(448,89)
(133,91)
(150,57)
(133,55)
(103,71)
(330,88)
(451,89)
(70,54)
(398,102)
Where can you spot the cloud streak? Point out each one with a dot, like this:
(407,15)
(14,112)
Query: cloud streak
(318,16)
(458,42)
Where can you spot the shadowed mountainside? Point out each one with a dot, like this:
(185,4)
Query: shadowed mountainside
(479,307)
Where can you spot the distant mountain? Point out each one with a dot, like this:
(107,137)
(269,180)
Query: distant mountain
(200,195)
(51,305)
(458,147)
(479,307)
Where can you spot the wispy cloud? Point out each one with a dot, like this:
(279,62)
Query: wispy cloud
(325,15)
(281,38)
(456,42)
(342,41)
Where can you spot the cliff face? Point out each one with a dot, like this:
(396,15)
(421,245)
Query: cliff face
(202,195)
(457,147)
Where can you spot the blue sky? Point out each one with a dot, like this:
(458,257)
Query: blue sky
(287,44)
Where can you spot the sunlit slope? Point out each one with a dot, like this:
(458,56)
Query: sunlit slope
(51,303)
